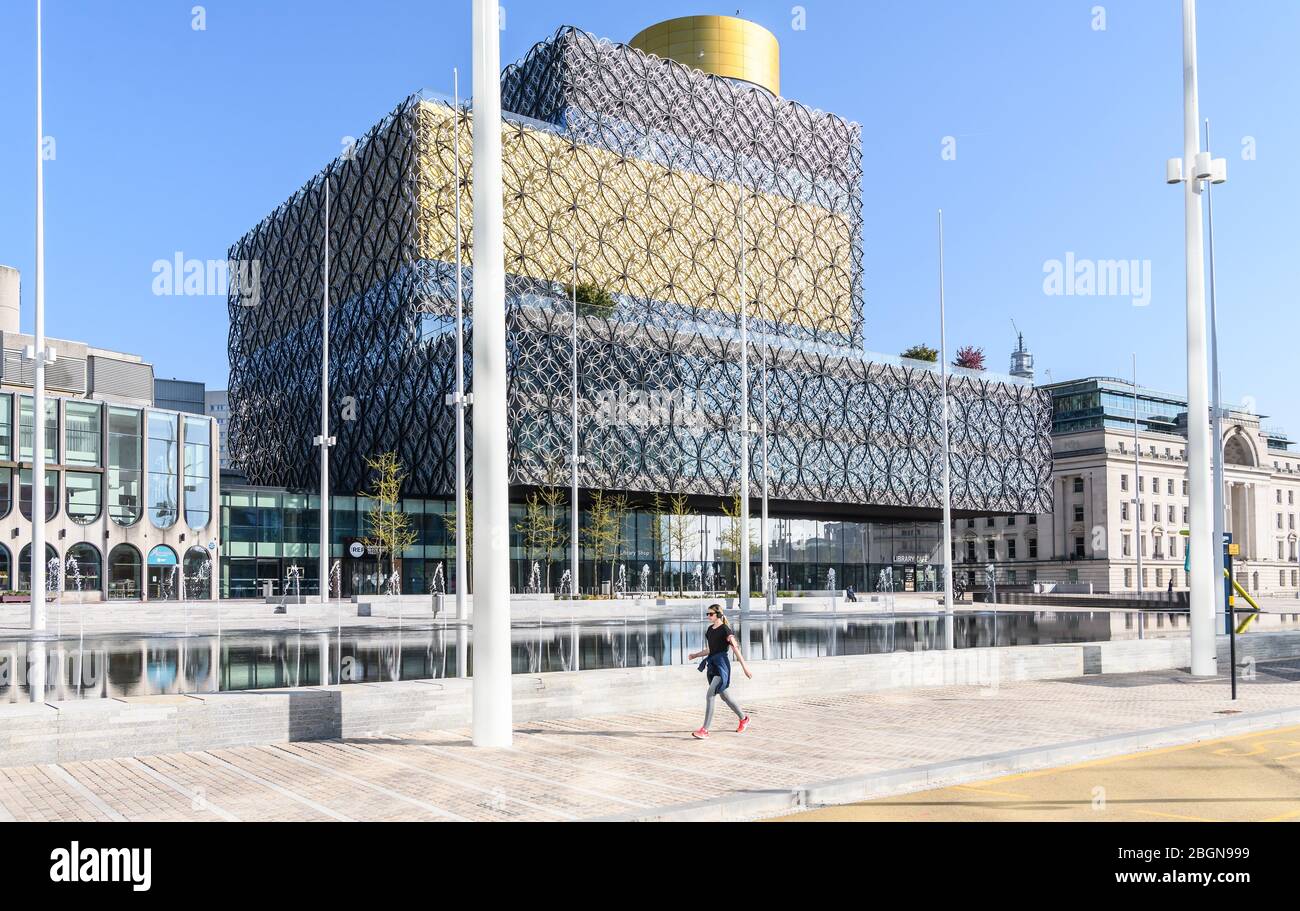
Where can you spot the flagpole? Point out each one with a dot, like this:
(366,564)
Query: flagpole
(949,632)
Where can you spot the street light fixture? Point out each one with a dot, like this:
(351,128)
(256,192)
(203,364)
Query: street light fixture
(492,725)
(1204,571)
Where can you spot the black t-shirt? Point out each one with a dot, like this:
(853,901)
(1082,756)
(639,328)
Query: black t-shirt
(717,638)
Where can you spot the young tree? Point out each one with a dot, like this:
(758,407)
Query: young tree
(449,524)
(388,529)
(970,357)
(679,532)
(734,533)
(541,527)
(921,352)
(603,536)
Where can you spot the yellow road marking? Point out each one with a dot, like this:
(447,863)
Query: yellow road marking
(1174,816)
(1285,816)
(1128,757)
(990,791)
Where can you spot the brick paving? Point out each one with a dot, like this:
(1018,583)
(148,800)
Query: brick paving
(630,764)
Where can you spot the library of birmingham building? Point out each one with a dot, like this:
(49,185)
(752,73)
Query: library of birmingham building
(663,182)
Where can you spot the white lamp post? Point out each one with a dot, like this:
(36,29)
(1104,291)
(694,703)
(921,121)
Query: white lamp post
(743,517)
(492,709)
(41,356)
(1194,167)
(325,441)
(459,400)
(574,458)
(949,633)
(1219,174)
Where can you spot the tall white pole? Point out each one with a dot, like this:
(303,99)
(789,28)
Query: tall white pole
(1216,429)
(1202,581)
(324,441)
(769,593)
(949,632)
(38,354)
(462,574)
(492,709)
(36,680)
(743,517)
(574,542)
(1137,490)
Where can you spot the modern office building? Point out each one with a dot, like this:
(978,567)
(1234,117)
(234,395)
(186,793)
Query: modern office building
(130,501)
(216,405)
(179,395)
(649,203)
(1099,526)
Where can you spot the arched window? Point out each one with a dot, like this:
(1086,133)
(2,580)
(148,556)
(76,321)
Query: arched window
(84,498)
(82,569)
(25,567)
(198,472)
(198,573)
(123,573)
(162,469)
(124,467)
(6,569)
(6,491)
(164,574)
(51,493)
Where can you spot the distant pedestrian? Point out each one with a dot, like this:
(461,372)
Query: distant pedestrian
(850,595)
(1171,585)
(717,664)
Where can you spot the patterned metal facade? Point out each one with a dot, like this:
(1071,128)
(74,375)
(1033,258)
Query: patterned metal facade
(670,190)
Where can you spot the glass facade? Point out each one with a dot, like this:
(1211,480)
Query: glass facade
(82,434)
(265,532)
(162,469)
(124,465)
(198,473)
(25,429)
(84,496)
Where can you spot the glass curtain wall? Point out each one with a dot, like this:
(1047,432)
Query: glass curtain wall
(264,533)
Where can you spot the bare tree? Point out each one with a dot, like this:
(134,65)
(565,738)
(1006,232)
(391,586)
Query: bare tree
(388,529)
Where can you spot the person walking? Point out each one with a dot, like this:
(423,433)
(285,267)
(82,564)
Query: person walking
(717,664)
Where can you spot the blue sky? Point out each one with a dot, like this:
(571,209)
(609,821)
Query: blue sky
(174,140)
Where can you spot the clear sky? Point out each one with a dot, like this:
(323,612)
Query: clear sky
(174,140)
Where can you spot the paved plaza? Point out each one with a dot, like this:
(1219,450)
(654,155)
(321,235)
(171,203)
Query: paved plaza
(1247,778)
(646,766)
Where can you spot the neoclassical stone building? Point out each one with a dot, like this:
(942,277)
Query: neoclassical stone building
(1109,507)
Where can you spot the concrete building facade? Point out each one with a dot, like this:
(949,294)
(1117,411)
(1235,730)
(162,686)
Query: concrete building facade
(131,496)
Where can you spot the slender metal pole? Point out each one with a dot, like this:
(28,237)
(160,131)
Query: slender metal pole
(1137,498)
(324,440)
(462,573)
(769,587)
(1216,412)
(743,517)
(949,633)
(38,355)
(574,542)
(1137,479)
(1203,582)
(492,691)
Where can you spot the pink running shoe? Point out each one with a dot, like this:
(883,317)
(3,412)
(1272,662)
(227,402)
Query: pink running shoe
(744,723)
(700,734)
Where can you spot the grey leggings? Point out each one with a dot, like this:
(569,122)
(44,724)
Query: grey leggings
(708,702)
